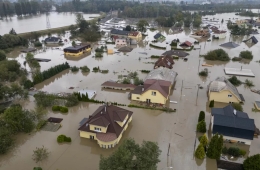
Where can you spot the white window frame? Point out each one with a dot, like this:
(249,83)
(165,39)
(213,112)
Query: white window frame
(153,93)
(97,129)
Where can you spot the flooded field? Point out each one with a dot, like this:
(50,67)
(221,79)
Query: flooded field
(174,129)
(38,22)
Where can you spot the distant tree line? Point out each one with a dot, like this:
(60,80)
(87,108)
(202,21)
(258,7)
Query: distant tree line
(8,9)
(41,76)
(11,40)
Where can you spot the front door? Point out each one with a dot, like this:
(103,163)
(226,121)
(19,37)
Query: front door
(148,100)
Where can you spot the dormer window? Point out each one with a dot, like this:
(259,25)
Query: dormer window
(97,129)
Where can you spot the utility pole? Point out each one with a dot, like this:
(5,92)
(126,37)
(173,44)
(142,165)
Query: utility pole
(48,24)
(197,94)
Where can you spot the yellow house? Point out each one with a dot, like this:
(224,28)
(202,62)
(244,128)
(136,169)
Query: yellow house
(221,90)
(153,91)
(135,35)
(106,125)
(77,50)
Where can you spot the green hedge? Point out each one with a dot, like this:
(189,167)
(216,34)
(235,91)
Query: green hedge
(155,46)
(155,56)
(145,71)
(40,124)
(110,42)
(62,109)
(153,108)
(63,138)
(37,168)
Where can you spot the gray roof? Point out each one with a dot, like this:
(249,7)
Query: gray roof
(254,40)
(221,83)
(229,45)
(51,39)
(125,49)
(119,32)
(162,73)
(229,117)
(158,35)
(176,53)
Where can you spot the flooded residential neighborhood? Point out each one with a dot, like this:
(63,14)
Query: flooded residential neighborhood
(188,94)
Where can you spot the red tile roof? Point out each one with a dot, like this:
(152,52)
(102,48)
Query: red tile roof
(187,43)
(107,115)
(164,61)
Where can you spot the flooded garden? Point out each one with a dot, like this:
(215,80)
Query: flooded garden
(174,132)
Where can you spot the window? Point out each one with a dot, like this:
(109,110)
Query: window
(137,97)
(97,129)
(153,93)
(229,95)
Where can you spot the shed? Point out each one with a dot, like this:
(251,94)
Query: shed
(125,49)
(229,45)
(186,44)
(252,40)
(110,51)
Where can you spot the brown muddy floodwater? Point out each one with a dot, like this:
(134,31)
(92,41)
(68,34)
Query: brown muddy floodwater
(38,22)
(176,129)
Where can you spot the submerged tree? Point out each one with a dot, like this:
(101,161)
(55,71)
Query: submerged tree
(141,25)
(40,154)
(132,156)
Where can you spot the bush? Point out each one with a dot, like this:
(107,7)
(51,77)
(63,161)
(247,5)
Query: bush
(237,106)
(225,150)
(95,69)
(84,69)
(155,56)
(60,138)
(203,73)
(242,152)
(64,109)
(126,81)
(201,127)
(204,140)
(218,54)
(246,55)
(233,80)
(174,43)
(37,168)
(252,163)
(40,154)
(55,108)
(37,44)
(40,124)
(99,55)
(74,69)
(249,83)
(200,152)
(233,151)
(28,84)
(201,116)
(145,71)
(63,138)
(2,55)
(236,59)
(104,71)
(211,104)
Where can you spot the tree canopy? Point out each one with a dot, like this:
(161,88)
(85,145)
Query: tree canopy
(132,156)
(218,54)
(246,55)
(141,25)
(252,162)
(200,152)
(215,147)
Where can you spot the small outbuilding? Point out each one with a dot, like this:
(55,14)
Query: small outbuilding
(251,40)
(159,37)
(186,44)
(52,40)
(229,45)
(121,42)
(125,49)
